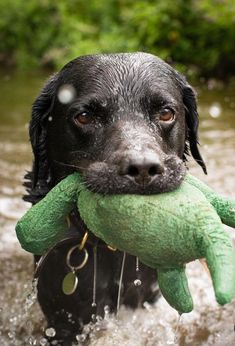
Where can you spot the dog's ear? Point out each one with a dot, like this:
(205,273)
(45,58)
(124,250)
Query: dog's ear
(38,180)
(192,122)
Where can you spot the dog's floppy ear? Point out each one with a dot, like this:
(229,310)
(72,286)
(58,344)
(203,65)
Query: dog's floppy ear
(192,122)
(38,180)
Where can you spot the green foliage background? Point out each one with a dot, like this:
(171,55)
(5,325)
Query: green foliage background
(198,36)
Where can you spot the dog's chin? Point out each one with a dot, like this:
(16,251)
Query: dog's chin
(103,178)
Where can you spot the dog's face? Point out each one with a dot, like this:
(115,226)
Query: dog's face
(124,126)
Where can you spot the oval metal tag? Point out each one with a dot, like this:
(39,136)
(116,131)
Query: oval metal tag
(69,283)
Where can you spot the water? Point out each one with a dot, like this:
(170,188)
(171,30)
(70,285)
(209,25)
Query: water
(94,277)
(120,285)
(208,324)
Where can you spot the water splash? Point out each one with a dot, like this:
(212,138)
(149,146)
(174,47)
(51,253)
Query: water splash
(31,298)
(23,318)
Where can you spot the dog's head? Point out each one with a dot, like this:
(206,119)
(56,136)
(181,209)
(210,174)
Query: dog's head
(125,121)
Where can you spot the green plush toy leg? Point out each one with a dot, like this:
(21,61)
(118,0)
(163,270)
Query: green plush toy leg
(174,287)
(225,207)
(220,258)
(45,223)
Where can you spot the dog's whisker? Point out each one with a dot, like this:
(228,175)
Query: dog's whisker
(69,165)
(107,156)
(78,151)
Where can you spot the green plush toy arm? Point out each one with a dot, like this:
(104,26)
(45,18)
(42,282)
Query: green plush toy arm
(220,257)
(45,223)
(216,246)
(225,207)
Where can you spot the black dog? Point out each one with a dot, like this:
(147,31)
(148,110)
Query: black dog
(127,127)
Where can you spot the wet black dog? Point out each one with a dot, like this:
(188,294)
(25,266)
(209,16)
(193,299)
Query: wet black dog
(126,122)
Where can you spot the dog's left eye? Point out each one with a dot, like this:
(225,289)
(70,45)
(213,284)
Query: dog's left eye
(166,115)
(83,118)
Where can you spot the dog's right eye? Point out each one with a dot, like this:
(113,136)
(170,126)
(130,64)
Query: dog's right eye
(166,115)
(83,118)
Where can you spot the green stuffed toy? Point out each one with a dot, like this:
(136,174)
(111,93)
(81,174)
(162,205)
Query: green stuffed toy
(165,231)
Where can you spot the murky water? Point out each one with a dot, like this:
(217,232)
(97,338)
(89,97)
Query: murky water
(22,323)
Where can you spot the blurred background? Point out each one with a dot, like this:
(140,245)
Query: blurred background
(36,38)
(197,36)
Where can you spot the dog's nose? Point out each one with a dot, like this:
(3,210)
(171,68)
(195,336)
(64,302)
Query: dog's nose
(143,169)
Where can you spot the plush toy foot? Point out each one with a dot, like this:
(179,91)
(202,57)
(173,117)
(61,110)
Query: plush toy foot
(174,287)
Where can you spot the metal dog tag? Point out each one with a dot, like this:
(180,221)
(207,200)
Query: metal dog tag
(70,283)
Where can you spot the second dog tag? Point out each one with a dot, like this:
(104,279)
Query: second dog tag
(69,283)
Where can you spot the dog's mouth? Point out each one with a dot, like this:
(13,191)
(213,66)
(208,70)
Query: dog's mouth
(103,178)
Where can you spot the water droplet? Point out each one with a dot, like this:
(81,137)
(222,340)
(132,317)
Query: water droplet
(137,265)
(104,103)
(93,317)
(137,282)
(81,337)
(11,335)
(66,93)
(43,342)
(13,320)
(120,285)
(106,311)
(147,306)
(86,329)
(32,341)
(93,305)
(215,110)
(54,342)
(50,332)
(179,320)
(134,318)
(50,118)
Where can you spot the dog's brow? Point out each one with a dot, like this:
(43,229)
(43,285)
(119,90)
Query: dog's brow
(90,102)
(162,99)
